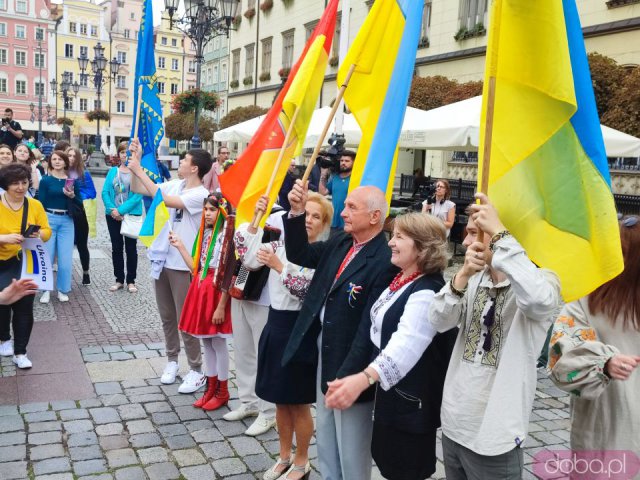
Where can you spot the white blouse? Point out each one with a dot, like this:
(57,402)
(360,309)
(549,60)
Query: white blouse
(409,342)
(286,289)
(441,210)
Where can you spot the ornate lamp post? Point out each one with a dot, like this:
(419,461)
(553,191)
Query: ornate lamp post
(100,78)
(65,86)
(203,20)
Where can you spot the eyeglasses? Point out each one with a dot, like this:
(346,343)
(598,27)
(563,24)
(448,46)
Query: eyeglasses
(439,186)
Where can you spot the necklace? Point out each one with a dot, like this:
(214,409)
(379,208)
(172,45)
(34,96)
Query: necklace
(6,200)
(398,283)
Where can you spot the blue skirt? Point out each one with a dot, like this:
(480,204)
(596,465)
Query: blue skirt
(293,384)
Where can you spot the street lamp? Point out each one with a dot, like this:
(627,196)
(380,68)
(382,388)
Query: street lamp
(65,86)
(203,20)
(100,77)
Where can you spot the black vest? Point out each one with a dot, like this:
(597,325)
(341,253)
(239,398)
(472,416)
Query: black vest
(413,405)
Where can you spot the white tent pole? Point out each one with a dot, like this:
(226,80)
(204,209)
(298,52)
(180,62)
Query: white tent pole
(344,46)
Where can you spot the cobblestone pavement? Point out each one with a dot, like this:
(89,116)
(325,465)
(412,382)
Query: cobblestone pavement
(133,427)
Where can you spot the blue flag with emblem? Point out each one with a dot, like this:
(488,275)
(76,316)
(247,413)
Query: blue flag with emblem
(150,128)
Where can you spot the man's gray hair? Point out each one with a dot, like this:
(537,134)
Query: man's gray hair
(378,202)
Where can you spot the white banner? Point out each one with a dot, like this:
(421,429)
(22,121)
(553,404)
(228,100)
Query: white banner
(36,264)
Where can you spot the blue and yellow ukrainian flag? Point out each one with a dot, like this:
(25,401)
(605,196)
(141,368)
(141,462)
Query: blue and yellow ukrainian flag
(151,129)
(384,53)
(548,172)
(157,217)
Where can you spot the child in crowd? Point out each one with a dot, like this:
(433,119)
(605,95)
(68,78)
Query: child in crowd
(207,309)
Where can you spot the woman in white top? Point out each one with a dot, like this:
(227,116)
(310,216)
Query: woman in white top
(442,207)
(291,388)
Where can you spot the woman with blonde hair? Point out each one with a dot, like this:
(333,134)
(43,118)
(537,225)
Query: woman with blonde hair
(411,358)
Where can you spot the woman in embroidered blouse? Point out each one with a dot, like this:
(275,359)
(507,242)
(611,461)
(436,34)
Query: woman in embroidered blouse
(412,359)
(291,388)
(594,354)
(442,207)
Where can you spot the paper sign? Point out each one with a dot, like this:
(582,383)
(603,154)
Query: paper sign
(36,264)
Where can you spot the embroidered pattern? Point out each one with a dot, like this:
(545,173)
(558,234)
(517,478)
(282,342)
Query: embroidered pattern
(389,369)
(297,285)
(565,329)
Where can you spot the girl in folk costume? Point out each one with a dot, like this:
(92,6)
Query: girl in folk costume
(207,310)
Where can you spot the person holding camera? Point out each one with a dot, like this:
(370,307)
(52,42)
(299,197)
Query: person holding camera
(11,131)
(337,185)
(440,205)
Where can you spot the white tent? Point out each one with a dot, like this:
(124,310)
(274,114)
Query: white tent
(452,127)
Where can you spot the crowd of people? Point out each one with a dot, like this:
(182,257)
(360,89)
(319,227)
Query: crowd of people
(323,308)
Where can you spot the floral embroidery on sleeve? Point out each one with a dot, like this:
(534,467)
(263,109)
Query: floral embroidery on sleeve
(297,285)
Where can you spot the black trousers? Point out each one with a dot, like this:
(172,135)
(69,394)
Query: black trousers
(20,314)
(81,228)
(118,243)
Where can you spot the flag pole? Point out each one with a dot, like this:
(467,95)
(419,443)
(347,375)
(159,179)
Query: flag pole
(486,152)
(258,215)
(136,185)
(334,109)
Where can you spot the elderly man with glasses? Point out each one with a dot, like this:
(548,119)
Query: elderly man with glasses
(503,305)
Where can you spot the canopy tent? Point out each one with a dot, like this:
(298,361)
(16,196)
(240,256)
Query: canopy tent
(452,127)
(29,126)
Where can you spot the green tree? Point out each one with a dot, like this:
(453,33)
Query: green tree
(433,92)
(624,105)
(607,77)
(241,114)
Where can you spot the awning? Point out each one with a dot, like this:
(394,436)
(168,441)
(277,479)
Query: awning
(115,131)
(28,125)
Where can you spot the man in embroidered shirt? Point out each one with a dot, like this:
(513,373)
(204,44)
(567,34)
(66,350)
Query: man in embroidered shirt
(504,306)
(350,268)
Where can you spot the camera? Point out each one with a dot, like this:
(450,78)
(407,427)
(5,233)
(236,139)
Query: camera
(6,121)
(428,192)
(330,158)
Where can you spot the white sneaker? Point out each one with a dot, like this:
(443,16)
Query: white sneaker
(243,411)
(192,382)
(22,361)
(46,296)
(261,425)
(63,297)
(6,349)
(169,375)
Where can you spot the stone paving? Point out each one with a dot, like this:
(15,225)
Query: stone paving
(133,427)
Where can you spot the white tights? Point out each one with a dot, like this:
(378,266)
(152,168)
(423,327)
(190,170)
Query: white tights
(216,357)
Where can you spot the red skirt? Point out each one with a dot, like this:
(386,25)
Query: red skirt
(199,305)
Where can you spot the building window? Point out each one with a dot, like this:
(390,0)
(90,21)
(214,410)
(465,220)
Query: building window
(97,104)
(335,46)
(84,79)
(472,13)
(21,58)
(127,33)
(235,65)
(174,64)
(3,85)
(174,42)
(84,51)
(174,89)
(3,29)
(266,54)
(121,106)
(287,49)
(38,60)
(39,34)
(132,16)
(122,57)
(249,51)
(21,6)
(309,28)
(163,40)
(68,103)
(68,50)
(224,73)
(215,75)
(192,66)
(121,81)
(21,87)
(83,29)
(160,87)
(72,27)
(21,32)
(3,55)
(94,30)
(426,21)
(84,105)
(3,4)
(70,75)
(39,88)
(161,62)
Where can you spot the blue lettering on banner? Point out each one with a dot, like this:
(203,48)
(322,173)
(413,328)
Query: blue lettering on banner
(43,263)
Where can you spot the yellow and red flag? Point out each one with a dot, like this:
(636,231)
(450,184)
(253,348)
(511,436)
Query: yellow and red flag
(247,179)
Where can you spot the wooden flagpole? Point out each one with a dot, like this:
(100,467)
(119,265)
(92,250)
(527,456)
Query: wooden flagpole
(488,134)
(258,215)
(327,125)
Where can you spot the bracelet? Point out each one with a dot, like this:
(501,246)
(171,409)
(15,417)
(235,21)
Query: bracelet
(454,290)
(497,237)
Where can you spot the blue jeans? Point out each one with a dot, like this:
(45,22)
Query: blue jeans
(61,244)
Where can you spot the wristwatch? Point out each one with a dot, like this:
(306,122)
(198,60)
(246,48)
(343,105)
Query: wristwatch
(369,378)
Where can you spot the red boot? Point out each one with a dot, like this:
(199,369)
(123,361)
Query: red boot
(220,399)
(212,385)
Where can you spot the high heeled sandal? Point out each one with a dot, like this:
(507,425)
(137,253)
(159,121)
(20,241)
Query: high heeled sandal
(273,473)
(305,469)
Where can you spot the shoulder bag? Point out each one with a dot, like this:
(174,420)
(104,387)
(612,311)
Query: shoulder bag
(131,224)
(12,267)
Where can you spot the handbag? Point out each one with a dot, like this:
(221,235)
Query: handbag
(12,268)
(131,224)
